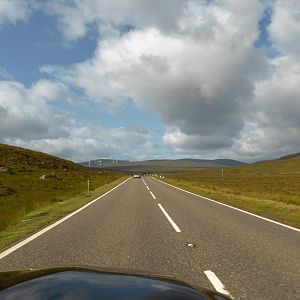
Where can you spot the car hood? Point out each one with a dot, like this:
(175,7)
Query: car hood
(95,283)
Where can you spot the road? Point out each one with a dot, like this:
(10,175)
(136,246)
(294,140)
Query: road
(145,224)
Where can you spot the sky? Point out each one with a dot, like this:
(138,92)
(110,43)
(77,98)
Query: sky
(151,79)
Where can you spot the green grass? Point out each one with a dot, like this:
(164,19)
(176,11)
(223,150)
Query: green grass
(270,189)
(46,214)
(27,202)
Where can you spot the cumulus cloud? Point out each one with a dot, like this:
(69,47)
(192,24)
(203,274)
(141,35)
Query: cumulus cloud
(193,63)
(285,27)
(26,111)
(15,11)
(75,18)
(278,108)
(90,142)
(4,74)
(198,78)
(29,118)
(274,124)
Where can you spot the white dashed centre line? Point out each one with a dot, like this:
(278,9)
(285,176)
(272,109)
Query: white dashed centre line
(148,188)
(152,195)
(177,229)
(217,284)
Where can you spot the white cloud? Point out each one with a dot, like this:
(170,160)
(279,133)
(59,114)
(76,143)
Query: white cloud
(200,79)
(191,62)
(13,11)
(277,112)
(90,142)
(26,111)
(285,27)
(4,74)
(29,118)
(75,18)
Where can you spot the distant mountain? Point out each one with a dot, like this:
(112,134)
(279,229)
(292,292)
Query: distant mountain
(103,162)
(229,162)
(223,162)
(161,165)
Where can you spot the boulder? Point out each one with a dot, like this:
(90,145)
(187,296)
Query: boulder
(49,176)
(4,170)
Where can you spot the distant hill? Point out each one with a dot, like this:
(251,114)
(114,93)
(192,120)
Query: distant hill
(162,165)
(229,162)
(103,162)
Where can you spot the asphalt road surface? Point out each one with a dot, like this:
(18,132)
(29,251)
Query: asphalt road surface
(145,224)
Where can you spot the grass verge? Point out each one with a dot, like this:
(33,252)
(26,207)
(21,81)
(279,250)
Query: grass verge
(246,194)
(43,216)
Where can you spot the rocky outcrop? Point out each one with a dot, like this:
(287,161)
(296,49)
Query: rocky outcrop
(4,170)
(49,176)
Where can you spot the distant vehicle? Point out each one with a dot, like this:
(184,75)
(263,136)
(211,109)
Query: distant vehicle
(93,283)
(137,176)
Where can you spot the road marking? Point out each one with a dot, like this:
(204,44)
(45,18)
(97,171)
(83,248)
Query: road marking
(216,282)
(148,188)
(39,233)
(177,229)
(144,181)
(238,209)
(152,195)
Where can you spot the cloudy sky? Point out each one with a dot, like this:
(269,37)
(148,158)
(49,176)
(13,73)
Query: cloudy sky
(151,79)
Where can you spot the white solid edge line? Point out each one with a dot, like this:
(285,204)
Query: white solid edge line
(34,236)
(177,229)
(238,209)
(152,195)
(216,282)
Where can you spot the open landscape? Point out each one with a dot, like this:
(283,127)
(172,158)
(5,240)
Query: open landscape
(161,165)
(37,188)
(154,137)
(270,188)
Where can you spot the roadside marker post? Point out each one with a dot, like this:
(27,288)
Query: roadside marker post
(88,187)
(222,173)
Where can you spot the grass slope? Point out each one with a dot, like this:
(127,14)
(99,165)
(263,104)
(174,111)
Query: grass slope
(24,196)
(270,188)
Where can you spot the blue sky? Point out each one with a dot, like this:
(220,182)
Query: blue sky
(28,45)
(129,81)
(37,42)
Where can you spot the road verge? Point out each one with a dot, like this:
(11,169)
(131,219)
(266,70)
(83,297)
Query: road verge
(40,218)
(276,211)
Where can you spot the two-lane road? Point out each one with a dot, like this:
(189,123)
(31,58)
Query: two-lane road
(147,225)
